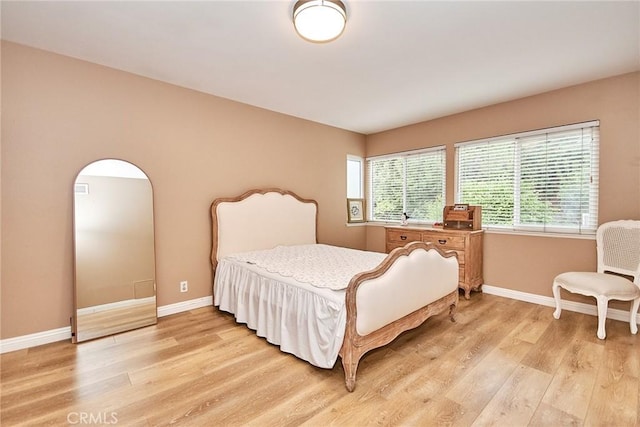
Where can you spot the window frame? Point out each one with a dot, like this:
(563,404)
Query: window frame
(440,149)
(544,229)
(361,177)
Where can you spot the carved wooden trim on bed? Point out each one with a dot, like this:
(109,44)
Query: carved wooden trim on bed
(356,345)
(256,222)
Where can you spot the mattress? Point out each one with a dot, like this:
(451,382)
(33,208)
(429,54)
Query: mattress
(291,305)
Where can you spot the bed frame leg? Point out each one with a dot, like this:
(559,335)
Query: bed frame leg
(453,309)
(350,368)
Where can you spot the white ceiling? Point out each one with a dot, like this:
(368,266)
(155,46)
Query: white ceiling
(397,63)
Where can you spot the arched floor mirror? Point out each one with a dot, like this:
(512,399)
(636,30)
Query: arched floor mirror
(114,289)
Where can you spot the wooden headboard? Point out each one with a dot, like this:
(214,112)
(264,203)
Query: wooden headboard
(261,219)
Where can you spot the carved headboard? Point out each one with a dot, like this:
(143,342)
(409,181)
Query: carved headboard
(261,219)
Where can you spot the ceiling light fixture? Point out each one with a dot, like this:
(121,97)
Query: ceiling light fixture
(319,21)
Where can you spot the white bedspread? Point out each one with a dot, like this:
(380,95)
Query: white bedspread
(322,266)
(289,311)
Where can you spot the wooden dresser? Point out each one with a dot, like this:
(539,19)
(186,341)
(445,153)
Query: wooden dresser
(466,243)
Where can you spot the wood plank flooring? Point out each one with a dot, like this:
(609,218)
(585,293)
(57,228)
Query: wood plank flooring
(503,363)
(115,320)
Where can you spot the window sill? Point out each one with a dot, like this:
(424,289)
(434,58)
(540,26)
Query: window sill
(486,230)
(542,234)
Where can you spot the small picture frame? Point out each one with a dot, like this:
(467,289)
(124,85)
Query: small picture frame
(461,207)
(355,210)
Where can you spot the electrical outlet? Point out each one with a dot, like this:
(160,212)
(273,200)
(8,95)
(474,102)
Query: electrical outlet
(184,286)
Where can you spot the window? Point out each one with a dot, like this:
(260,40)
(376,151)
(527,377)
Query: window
(545,180)
(412,182)
(354,177)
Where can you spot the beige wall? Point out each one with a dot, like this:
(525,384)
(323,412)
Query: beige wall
(526,263)
(59,114)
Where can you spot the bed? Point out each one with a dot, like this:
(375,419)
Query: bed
(317,301)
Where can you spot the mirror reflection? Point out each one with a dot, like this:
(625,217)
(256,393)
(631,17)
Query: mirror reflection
(114,250)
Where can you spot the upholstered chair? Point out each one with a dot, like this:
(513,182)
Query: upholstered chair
(617,276)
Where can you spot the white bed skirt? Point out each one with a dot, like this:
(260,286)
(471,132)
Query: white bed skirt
(303,320)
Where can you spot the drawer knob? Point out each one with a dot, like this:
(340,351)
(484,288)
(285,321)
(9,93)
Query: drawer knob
(403,237)
(442,241)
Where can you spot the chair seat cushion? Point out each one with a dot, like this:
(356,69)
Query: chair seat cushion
(590,283)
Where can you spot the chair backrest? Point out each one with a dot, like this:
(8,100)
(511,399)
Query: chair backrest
(618,247)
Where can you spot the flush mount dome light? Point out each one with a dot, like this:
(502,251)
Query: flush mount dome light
(319,20)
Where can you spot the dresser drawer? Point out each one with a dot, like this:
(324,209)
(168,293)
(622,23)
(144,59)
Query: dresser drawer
(445,241)
(460,255)
(403,236)
(391,246)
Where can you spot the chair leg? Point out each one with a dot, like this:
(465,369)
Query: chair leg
(633,321)
(556,295)
(602,316)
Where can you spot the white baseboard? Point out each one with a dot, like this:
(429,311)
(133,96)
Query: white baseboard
(119,304)
(179,307)
(578,307)
(33,340)
(61,334)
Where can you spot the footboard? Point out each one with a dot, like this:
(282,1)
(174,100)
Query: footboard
(412,284)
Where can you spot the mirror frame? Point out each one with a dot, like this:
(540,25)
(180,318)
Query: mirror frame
(140,313)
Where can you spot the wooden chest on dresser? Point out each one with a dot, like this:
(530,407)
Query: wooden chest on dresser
(466,243)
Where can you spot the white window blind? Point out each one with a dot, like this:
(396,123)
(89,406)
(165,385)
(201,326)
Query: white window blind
(544,180)
(411,183)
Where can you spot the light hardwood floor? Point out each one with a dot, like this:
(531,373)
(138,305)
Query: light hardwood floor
(115,320)
(504,362)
